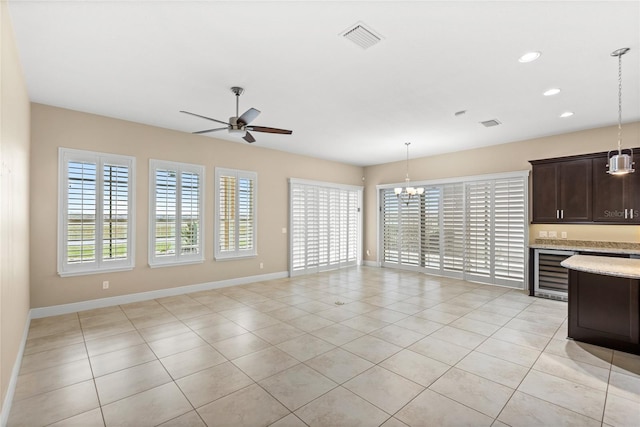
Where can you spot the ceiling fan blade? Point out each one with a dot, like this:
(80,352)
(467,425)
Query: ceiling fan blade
(249,138)
(205,117)
(209,130)
(269,130)
(248,116)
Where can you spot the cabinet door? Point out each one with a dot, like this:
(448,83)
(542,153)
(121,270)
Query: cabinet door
(603,310)
(545,207)
(614,197)
(575,191)
(632,195)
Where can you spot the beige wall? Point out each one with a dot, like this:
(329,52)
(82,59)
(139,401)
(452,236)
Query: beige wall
(503,158)
(55,127)
(14,202)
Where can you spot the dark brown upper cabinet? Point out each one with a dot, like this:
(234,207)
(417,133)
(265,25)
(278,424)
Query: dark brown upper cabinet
(578,189)
(616,199)
(562,191)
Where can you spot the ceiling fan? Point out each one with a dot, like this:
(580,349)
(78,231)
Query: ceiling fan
(239,124)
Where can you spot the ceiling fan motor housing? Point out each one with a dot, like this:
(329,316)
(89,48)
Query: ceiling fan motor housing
(234,127)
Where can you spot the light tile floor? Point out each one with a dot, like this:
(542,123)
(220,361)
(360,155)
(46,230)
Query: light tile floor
(361,346)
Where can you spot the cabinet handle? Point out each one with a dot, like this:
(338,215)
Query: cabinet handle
(557,214)
(625,213)
(562,214)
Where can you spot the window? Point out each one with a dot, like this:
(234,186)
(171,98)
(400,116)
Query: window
(325,226)
(96,212)
(473,229)
(235,234)
(176,211)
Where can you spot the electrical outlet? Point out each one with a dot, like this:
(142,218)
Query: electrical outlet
(105,284)
(563,234)
(553,234)
(542,234)
(261,265)
(284,230)
(368,252)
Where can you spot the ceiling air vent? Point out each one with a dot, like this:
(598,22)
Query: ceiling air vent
(490,123)
(361,35)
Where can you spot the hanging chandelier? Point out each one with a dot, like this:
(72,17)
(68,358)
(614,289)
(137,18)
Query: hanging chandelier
(621,163)
(406,193)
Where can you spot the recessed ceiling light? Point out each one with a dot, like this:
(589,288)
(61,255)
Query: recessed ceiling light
(566,114)
(551,92)
(529,57)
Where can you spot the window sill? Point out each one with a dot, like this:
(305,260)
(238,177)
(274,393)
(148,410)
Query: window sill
(226,257)
(93,271)
(175,263)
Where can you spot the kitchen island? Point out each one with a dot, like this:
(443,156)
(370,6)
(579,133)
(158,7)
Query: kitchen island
(604,301)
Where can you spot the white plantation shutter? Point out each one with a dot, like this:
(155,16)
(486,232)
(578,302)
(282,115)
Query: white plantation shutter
(115,212)
(453,233)
(96,211)
(176,213)
(352,238)
(319,207)
(401,229)
(510,219)
(390,227)
(245,213)
(431,228)
(474,230)
(298,228)
(410,231)
(325,226)
(191,212)
(236,220)
(334,227)
(226,213)
(81,212)
(344,227)
(478,230)
(164,231)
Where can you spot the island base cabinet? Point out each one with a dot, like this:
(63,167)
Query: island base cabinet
(604,310)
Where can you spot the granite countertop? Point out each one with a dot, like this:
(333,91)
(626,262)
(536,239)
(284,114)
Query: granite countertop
(588,246)
(619,267)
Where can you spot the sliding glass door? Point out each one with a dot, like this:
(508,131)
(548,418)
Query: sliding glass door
(474,229)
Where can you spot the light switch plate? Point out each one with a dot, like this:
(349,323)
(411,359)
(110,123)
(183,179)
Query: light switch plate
(563,234)
(542,234)
(553,234)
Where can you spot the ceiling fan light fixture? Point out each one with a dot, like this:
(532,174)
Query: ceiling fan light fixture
(551,92)
(620,163)
(566,114)
(240,124)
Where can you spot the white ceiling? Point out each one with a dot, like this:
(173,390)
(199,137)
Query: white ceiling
(144,61)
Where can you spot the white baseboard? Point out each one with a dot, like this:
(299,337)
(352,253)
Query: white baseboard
(143,296)
(11,389)
(371,263)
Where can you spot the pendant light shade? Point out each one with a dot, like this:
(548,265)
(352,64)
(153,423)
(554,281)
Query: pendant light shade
(621,163)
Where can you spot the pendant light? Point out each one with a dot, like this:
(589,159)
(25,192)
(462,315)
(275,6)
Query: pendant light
(405,194)
(622,162)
